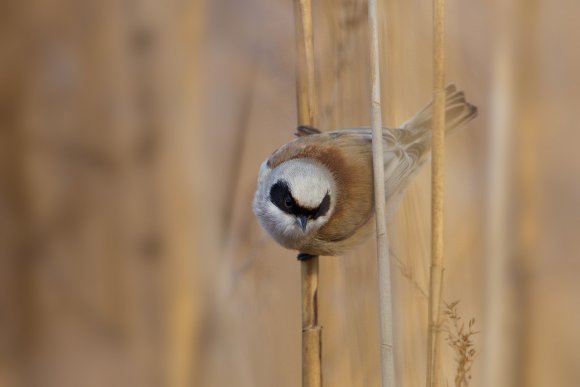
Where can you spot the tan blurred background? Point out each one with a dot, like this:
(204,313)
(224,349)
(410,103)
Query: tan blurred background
(131,133)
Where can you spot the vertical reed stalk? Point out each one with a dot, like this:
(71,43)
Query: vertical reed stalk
(497,344)
(525,183)
(437,185)
(307,115)
(384,271)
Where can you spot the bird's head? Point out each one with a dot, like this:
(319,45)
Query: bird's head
(294,200)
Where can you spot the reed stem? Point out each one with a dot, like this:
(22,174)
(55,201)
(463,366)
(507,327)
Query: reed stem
(384,271)
(437,187)
(307,115)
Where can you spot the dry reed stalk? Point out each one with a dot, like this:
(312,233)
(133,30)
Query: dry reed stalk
(497,346)
(307,115)
(526,167)
(384,271)
(190,230)
(437,186)
(513,139)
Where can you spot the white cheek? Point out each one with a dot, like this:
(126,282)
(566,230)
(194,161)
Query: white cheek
(284,227)
(284,223)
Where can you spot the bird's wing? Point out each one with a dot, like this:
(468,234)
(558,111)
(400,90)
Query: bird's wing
(401,160)
(407,148)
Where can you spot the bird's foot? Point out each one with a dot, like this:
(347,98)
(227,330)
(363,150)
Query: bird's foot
(304,256)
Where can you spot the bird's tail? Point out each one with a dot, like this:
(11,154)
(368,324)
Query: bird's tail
(414,138)
(457,113)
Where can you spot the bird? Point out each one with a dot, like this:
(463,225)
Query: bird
(315,194)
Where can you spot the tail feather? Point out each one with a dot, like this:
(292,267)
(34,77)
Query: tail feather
(412,143)
(457,113)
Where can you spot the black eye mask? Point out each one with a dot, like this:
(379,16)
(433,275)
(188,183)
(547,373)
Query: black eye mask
(281,197)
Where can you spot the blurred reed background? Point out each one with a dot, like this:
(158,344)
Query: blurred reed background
(131,133)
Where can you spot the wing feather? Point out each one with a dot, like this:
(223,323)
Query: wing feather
(407,148)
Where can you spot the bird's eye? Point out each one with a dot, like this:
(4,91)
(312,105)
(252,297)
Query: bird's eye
(288,201)
(281,197)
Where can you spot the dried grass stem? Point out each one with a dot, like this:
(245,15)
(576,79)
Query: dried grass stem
(437,186)
(307,115)
(384,271)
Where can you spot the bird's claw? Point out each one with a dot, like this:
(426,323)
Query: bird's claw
(304,257)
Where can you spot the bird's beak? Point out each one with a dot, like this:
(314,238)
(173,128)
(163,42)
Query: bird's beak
(302,221)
